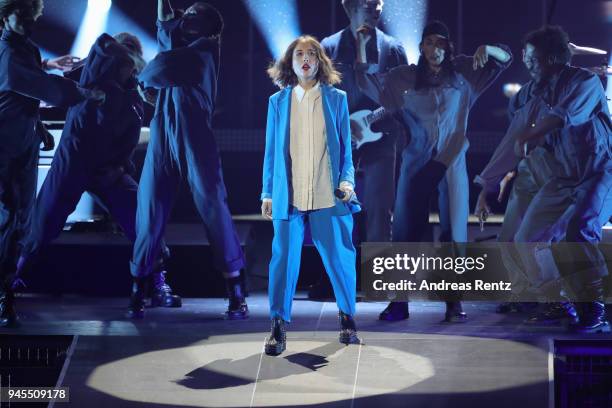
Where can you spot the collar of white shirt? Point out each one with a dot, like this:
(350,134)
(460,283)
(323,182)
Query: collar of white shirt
(300,92)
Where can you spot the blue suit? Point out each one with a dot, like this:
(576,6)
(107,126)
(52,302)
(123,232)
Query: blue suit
(183,145)
(331,228)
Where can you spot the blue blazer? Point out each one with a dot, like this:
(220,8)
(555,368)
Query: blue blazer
(276,170)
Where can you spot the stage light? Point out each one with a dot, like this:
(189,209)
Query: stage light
(511,89)
(102,6)
(404,20)
(277,21)
(92,25)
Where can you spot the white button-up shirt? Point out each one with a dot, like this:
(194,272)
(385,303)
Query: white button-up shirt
(311,181)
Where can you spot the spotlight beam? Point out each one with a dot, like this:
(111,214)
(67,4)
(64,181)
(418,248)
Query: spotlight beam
(404,20)
(277,21)
(93,24)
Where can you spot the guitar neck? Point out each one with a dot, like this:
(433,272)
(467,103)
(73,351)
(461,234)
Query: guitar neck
(376,115)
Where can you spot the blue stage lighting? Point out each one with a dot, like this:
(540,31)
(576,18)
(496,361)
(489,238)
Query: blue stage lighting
(92,25)
(404,20)
(277,21)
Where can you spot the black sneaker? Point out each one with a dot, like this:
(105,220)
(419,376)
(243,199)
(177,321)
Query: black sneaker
(237,308)
(162,295)
(592,319)
(276,343)
(8,313)
(136,307)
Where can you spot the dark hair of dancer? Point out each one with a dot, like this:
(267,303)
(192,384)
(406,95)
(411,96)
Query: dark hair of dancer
(27,8)
(422,72)
(551,43)
(282,73)
(212,26)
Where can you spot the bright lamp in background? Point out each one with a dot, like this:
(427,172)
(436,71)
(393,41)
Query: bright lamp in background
(277,20)
(92,25)
(511,89)
(404,20)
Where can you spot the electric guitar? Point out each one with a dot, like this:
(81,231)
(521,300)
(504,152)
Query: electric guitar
(361,122)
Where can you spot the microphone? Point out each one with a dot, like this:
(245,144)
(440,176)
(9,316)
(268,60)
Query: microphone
(341,194)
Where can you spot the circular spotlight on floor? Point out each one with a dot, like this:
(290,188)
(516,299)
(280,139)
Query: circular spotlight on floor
(232,371)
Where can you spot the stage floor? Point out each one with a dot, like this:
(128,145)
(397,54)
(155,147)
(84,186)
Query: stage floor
(192,357)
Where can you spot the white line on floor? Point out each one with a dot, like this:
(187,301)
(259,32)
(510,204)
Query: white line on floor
(60,379)
(319,320)
(551,373)
(263,349)
(356,374)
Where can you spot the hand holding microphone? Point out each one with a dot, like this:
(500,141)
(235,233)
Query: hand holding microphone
(346,193)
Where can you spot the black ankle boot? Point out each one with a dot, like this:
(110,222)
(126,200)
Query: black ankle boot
(348,331)
(8,313)
(394,312)
(592,319)
(592,315)
(276,343)
(136,308)
(161,295)
(454,313)
(237,308)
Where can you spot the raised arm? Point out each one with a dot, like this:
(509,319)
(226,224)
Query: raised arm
(164,10)
(183,66)
(483,68)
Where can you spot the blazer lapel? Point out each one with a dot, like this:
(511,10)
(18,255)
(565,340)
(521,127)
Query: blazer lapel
(330,102)
(284,110)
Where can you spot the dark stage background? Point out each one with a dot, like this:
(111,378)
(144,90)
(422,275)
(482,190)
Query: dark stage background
(244,87)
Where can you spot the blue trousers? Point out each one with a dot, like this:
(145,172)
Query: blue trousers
(332,236)
(169,157)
